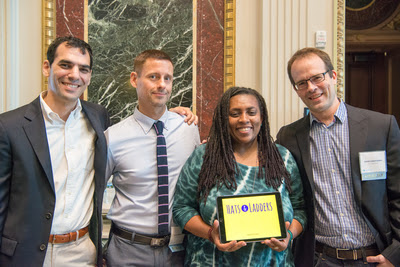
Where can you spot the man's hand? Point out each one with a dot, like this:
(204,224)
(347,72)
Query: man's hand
(381,260)
(184,111)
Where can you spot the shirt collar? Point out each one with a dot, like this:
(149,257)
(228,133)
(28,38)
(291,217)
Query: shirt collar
(51,116)
(339,116)
(146,123)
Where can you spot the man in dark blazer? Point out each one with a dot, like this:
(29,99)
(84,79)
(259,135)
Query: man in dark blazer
(351,219)
(52,166)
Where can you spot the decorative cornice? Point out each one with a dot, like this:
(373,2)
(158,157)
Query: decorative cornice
(373,16)
(393,24)
(381,37)
(48,30)
(229,43)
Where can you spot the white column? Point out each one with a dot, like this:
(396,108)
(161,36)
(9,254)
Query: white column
(20,50)
(289,25)
(3,53)
(12,58)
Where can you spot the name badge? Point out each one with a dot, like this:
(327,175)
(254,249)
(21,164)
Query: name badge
(175,243)
(373,165)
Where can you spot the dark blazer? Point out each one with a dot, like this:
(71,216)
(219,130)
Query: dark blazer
(27,196)
(379,200)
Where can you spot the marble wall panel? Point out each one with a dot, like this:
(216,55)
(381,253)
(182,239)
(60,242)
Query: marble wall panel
(120,30)
(210,60)
(70,18)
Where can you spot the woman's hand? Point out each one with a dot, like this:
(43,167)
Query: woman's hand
(278,245)
(227,247)
(198,227)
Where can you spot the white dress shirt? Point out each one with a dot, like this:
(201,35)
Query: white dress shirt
(132,161)
(71,145)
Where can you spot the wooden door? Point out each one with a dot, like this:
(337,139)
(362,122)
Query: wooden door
(366,81)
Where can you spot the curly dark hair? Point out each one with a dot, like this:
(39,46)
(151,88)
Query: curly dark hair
(70,41)
(219,164)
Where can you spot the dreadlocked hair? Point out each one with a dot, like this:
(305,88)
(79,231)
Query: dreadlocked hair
(219,165)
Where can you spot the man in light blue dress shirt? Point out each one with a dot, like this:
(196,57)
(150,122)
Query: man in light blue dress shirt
(352,220)
(134,238)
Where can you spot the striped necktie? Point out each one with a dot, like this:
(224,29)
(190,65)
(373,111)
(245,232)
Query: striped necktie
(162,168)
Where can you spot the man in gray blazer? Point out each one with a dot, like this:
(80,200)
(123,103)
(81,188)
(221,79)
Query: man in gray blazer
(353,211)
(52,166)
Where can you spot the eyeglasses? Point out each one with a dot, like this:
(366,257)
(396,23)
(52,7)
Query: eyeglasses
(316,79)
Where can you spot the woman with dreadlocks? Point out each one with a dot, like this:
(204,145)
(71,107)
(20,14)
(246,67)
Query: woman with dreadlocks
(240,157)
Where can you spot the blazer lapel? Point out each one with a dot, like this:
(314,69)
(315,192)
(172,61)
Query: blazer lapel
(303,139)
(100,143)
(35,131)
(358,129)
(92,116)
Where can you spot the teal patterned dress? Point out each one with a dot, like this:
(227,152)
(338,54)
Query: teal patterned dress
(201,252)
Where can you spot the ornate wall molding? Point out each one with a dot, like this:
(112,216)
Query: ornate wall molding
(393,24)
(340,47)
(382,37)
(229,43)
(48,30)
(372,15)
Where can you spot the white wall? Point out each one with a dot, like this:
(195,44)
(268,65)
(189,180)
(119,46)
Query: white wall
(20,52)
(248,43)
(268,32)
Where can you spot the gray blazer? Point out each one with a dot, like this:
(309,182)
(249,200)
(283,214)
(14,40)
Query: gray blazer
(27,196)
(379,200)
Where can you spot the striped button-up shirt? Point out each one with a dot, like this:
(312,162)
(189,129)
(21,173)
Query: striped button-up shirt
(338,219)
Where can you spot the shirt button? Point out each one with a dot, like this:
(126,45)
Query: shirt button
(42,247)
(333,171)
(48,216)
(337,192)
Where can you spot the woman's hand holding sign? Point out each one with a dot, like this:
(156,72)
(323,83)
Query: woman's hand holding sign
(278,245)
(227,247)
(198,227)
